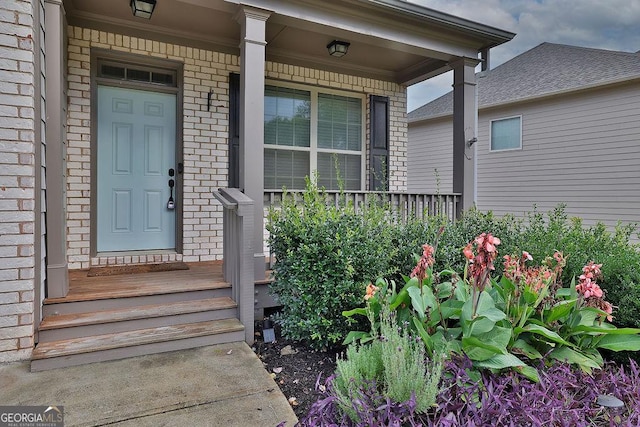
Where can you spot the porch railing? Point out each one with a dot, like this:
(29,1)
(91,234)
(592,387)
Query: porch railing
(238,253)
(403,206)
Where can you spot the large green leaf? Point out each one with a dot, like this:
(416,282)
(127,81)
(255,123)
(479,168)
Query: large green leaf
(455,346)
(523,347)
(401,298)
(541,330)
(498,335)
(606,328)
(428,342)
(528,372)
(362,311)
(587,316)
(354,336)
(529,296)
(487,308)
(461,291)
(500,361)
(444,290)
(440,344)
(620,342)
(421,300)
(569,355)
(482,347)
(480,326)
(477,349)
(559,310)
(453,333)
(451,309)
(507,285)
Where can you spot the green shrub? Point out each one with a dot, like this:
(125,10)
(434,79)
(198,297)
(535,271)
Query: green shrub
(325,256)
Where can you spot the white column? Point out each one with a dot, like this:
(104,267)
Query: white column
(464,129)
(252,64)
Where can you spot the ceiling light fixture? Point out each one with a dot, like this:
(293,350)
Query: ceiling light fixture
(338,48)
(143,8)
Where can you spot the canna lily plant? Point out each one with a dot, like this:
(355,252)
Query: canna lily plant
(503,323)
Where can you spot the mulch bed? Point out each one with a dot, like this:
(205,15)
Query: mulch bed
(295,368)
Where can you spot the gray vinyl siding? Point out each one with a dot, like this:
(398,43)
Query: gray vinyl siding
(431,149)
(582,150)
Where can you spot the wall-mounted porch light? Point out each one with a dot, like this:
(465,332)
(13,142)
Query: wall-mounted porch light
(338,48)
(143,8)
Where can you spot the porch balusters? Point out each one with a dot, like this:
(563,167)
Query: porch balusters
(403,206)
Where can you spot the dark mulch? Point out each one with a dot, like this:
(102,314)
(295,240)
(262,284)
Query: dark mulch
(295,368)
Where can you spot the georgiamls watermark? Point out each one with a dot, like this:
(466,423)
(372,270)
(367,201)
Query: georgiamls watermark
(31,416)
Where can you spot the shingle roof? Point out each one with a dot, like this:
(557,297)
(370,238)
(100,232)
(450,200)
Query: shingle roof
(546,69)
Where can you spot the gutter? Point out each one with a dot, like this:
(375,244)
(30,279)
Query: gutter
(495,35)
(600,85)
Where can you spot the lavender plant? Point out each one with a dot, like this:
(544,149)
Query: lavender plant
(395,364)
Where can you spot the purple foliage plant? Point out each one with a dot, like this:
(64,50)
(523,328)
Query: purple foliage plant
(564,396)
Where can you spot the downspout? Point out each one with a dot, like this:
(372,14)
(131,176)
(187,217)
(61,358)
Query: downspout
(484,67)
(475,150)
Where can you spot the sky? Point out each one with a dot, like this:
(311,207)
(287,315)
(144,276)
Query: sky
(602,24)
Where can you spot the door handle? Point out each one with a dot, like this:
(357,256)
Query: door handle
(171,204)
(171,172)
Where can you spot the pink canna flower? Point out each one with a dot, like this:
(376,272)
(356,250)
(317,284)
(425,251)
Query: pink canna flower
(482,261)
(558,257)
(468,252)
(512,268)
(591,292)
(371,291)
(426,261)
(608,308)
(589,288)
(527,256)
(592,268)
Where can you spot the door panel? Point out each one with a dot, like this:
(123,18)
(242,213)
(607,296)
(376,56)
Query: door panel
(136,149)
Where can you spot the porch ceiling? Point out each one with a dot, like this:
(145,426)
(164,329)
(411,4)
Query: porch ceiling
(390,40)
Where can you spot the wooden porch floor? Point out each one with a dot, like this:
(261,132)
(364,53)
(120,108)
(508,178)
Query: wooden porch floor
(199,276)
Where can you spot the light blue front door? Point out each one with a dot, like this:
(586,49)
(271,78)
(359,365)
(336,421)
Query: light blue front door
(136,149)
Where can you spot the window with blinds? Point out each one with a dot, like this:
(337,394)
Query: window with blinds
(312,130)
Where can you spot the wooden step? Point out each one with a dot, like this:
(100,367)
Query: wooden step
(77,325)
(51,308)
(134,288)
(120,345)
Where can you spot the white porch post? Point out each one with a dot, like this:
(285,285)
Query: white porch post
(252,64)
(464,130)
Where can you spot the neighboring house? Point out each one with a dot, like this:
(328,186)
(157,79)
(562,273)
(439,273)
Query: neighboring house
(556,124)
(116,130)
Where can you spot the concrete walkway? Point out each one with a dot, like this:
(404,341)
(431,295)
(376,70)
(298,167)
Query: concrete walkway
(221,385)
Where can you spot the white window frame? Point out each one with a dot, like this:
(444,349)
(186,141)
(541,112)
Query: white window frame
(313,143)
(491,150)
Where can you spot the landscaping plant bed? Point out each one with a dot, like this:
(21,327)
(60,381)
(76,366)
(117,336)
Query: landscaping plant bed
(295,368)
